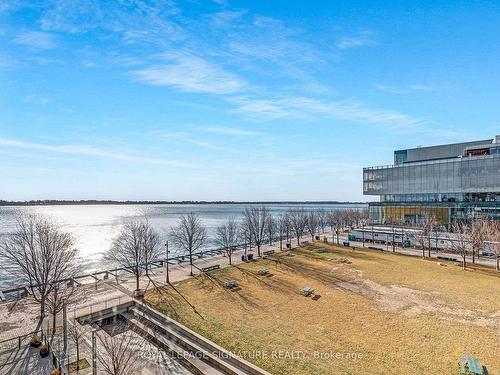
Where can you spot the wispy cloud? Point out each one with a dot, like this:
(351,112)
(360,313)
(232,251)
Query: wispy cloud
(403,90)
(181,136)
(37,99)
(36,40)
(90,151)
(307,108)
(191,74)
(230,131)
(360,40)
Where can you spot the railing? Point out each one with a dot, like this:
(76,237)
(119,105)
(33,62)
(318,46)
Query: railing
(18,342)
(89,309)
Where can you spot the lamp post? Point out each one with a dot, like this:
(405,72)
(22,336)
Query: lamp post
(166,247)
(94,352)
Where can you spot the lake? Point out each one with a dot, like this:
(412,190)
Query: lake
(95,226)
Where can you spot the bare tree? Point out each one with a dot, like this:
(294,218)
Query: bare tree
(282,227)
(255,219)
(493,235)
(477,232)
(422,236)
(298,222)
(226,236)
(335,223)
(118,353)
(312,223)
(460,241)
(76,335)
(62,294)
(271,228)
(323,220)
(189,235)
(134,248)
(41,255)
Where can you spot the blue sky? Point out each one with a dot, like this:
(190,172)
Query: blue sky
(233,100)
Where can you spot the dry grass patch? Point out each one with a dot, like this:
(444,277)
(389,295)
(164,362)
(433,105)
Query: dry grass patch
(404,319)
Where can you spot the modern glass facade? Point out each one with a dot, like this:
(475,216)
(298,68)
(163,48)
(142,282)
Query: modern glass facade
(447,181)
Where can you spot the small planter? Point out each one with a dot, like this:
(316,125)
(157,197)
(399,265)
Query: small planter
(231,284)
(35,342)
(263,272)
(44,350)
(139,293)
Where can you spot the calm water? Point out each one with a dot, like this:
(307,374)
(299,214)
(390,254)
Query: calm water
(94,226)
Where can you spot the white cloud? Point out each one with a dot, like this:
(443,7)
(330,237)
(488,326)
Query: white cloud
(37,99)
(231,131)
(363,39)
(307,108)
(191,74)
(90,151)
(403,90)
(36,40)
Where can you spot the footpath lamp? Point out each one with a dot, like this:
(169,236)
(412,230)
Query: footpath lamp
(166,246)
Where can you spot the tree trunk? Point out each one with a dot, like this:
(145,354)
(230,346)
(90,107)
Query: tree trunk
(464,265)
(42,308)
(473,256)
(258,249)
(298,241)
(137,281)
(54,315)
(77,356)
(498,263)
(281,244)
(191,262)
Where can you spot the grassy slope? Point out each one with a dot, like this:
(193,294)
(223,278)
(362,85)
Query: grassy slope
(269,314)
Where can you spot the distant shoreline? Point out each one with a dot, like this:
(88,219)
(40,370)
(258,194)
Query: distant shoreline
(111,202)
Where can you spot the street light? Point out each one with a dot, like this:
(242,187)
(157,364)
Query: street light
(168,279)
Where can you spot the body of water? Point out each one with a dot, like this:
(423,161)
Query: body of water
(95,226)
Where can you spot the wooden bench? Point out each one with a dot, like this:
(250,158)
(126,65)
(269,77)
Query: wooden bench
(267,253)
(210,268)
(453,259)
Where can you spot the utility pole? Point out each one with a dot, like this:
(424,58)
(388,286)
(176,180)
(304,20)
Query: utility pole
(168,278)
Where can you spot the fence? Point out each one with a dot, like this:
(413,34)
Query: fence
(79,311)
(18,342)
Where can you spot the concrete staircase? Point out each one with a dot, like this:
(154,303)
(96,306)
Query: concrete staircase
(198,354)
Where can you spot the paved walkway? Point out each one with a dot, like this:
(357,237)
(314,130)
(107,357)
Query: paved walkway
(483,261)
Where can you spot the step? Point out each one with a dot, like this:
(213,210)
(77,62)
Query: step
(188,343)
(193,363)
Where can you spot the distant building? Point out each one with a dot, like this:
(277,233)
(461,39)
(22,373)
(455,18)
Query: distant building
(451,182)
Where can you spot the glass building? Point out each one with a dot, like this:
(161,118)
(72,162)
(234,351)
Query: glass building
(449,182)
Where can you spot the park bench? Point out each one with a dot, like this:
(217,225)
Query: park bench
(267,253)
(247,258)
(441,257)
(210,268)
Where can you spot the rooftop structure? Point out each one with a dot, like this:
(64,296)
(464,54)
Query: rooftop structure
(450,182)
